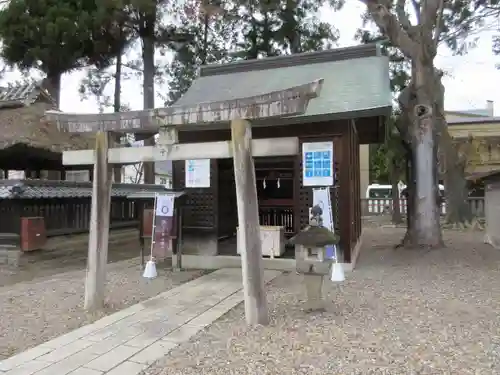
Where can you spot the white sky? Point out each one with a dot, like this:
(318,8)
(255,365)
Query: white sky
(472,79)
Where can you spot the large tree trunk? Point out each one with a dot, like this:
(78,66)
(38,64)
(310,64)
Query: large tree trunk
(148,57)
(53,85)
(427,226)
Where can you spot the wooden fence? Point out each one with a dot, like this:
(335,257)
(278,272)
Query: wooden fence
(65,206)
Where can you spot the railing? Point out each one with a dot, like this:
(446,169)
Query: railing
(383,206)
(277,216)
(63,216)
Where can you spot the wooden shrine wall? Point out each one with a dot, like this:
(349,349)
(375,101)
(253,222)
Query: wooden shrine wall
(214,208)
(349,191)
(228,213)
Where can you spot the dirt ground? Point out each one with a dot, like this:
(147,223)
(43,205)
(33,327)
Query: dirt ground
(399,312)
(49,302)
(67,253)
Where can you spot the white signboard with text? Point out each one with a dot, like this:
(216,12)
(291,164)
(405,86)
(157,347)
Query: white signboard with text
(198,173)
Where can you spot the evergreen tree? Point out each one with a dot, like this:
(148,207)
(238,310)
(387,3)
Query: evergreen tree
(146,19)
(57,36)
(256,29)
(212,31)
(276,27)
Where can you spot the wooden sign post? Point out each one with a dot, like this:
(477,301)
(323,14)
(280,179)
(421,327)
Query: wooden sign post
(288,102)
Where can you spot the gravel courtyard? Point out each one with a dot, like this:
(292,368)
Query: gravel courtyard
(399,312)
(46,307)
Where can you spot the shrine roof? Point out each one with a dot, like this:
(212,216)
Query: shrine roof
(475,120)
(22,107)
(356,82)
(23,94)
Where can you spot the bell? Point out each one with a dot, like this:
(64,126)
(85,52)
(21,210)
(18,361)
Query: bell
(337,273)
(150,270)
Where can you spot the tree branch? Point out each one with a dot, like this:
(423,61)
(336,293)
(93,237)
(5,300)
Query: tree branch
(429,11)
(389,26)
(417,9)
(439,26)
(403,15)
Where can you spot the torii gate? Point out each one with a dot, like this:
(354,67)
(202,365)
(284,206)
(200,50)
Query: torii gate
(289,102)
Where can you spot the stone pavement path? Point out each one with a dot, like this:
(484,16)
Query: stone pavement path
(131,340)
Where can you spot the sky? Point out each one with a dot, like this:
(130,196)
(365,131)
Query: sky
(471,80)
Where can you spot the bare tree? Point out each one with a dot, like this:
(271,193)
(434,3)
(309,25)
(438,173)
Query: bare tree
(457,24)
(421,104)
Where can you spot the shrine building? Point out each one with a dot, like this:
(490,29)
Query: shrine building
(350,111)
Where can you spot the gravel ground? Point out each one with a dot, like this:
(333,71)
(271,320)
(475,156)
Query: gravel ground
(36,311)
(399,312)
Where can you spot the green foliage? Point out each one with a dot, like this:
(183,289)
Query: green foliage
(462,20)
(248,30)
(387,160)
(211,36)
(277,27)
(94,84)
(57,36)
(459,22)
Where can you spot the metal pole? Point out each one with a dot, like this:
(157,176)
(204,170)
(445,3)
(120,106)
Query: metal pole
(179,240)
(140,205)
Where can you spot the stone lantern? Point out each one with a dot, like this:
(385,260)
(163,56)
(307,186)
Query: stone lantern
(310,255)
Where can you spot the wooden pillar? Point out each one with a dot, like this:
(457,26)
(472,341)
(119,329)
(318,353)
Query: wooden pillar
(248,221)
(99,227)
(345,194)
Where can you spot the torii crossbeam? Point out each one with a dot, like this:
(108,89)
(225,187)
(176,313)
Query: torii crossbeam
(288,102)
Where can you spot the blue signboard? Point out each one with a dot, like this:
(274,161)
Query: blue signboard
(317,163)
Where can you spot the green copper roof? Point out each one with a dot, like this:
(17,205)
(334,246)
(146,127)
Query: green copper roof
(356,82)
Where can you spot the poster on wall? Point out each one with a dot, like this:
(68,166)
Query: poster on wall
(317,164)
(163,226)
(198,173)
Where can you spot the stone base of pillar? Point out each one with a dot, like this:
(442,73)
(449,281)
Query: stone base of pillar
(10,256)
(10,250)
(314,290)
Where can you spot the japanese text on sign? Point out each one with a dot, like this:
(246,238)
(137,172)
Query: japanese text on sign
(317,164)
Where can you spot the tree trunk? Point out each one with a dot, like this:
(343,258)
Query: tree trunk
(409,238)
(148,57)
(396,209)
(117,170)
(457,197)
(453,167)
(53,85)
(407,101)
(427,228)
